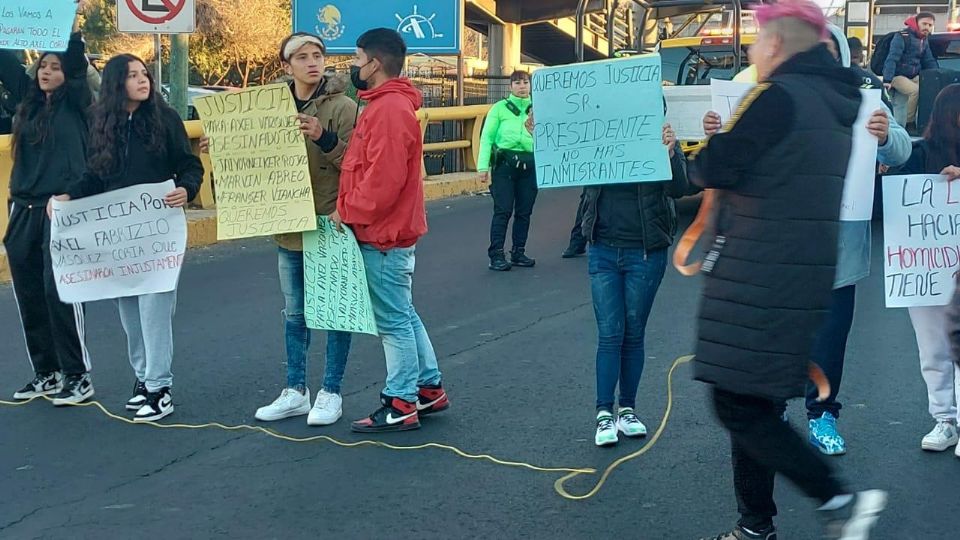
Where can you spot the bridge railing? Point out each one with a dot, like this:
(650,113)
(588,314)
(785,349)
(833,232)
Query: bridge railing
(471,118)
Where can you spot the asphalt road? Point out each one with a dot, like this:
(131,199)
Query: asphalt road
(517,352)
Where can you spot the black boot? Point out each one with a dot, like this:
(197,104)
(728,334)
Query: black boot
(518,258)
(498,262)
(574,250)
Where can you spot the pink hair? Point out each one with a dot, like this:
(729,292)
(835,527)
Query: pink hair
(803,10)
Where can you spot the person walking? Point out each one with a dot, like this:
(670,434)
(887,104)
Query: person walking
(939,153)
(778,170)
(381,198)
(506,156)
(136,138)
(49,151)
(630,226)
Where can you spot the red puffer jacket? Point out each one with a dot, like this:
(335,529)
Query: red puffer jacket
(381,181)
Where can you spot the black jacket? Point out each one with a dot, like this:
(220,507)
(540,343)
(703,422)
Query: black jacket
(142,165)
(50,166)
(779,174)
(658,213)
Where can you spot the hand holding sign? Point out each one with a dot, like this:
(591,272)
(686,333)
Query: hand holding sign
(176,198)
(879,126)
(952,172)
(711,123)
(669,139)
(310,126)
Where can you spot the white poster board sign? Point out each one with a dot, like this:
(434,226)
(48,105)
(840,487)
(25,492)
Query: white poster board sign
(726,96)
(121,243)
(686,107)
(858,186)
(921,220)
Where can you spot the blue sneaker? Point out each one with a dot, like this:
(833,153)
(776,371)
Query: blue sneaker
(823,435)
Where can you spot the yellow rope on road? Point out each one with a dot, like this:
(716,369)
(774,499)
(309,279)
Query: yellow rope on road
(558,485)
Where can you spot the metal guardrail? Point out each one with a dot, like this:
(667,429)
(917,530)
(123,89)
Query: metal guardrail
(471,116)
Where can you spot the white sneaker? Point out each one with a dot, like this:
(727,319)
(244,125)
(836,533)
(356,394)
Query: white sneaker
(290,403)
(606,429)
(629,424)
(943,436)
(326,410)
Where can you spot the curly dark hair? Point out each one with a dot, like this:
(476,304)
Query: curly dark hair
(943,132)
(108,119)
(32,122)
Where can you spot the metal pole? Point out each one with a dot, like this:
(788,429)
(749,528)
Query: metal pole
(581,22)
(460,68)
(158,51)
(179,69)
(737,20)
(611,22)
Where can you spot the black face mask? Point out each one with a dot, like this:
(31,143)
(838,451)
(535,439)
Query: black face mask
(358,83)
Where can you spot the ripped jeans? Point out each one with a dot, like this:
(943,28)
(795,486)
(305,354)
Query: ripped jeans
(297,335)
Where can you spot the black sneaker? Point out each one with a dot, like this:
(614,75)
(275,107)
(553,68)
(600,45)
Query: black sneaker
(76,389)
(139,396)
(574,251)
(741,533)
(854,520)
(395,415)
(498,262)
(44,384)
(518,258)
(158,405)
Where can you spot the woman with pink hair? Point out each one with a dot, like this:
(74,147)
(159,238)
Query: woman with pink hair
(776,173)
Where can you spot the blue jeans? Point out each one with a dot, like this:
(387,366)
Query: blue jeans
(624,283)
(830,350)
(411,361)
(297,335)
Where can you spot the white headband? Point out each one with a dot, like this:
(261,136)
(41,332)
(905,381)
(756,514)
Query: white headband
(296,42)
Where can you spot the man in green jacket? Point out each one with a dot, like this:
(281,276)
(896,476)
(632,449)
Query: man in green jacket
(506,156)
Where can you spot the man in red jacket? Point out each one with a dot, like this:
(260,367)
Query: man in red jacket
(381,198)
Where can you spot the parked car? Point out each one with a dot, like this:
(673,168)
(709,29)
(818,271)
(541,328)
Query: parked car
(194,92)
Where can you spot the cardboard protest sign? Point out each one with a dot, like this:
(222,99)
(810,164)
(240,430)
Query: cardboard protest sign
(858,186)
(921,235)
(32,24)
(686,107)
(262,178)
(335,282)
(121,243)
(726,97)
(600,123)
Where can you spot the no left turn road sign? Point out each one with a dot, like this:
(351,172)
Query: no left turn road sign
(156,16)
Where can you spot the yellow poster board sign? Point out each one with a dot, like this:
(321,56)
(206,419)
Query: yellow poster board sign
(261,175)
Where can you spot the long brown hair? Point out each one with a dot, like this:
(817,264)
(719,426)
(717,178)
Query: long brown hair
(108,119)
(943,133)
(35,113)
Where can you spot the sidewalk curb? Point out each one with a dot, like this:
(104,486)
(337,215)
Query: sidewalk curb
(202,224)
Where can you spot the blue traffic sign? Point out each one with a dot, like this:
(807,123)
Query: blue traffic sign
(428,26)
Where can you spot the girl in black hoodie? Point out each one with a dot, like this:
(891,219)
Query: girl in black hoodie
(49,148)
(135,138)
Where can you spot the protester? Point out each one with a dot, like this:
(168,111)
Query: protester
(506,156)
(853,265)
(630,226)
(856,49)
(381,198)
(136,138)
(327,117)
(909,55)
(778,169)
(939,153)
(49,150)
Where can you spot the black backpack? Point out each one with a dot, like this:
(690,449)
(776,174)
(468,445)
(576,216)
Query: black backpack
(882,51)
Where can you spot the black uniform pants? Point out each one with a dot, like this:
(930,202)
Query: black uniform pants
(514,192)
(763,445)
(53,330)
(577,240)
